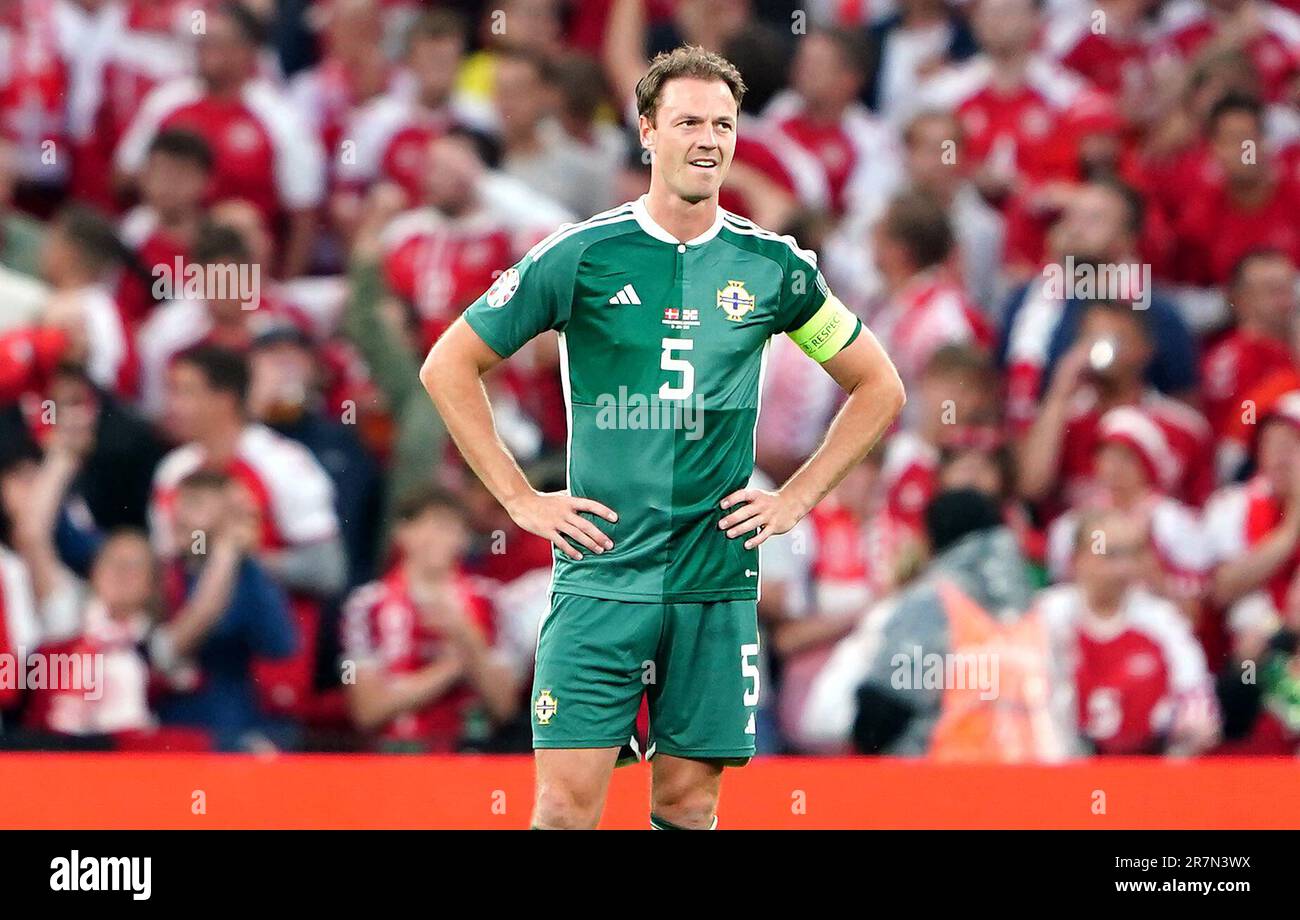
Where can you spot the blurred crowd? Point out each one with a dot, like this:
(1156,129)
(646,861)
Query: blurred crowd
(230,232)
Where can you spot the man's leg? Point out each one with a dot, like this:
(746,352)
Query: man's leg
(702,708)
(684,793)
(586,692)
(571,787)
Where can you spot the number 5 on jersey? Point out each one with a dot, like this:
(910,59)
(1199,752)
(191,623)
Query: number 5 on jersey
(677,365)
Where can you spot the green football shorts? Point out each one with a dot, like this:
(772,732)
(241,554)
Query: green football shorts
(696,664)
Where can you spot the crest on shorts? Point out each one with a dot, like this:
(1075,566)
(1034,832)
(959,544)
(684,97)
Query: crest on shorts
(499,294)
(735,301)
(545,707)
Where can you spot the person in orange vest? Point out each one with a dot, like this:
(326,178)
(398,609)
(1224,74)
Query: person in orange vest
(896,685)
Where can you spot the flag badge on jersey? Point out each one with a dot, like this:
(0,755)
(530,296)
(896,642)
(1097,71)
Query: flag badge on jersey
(545,707)
(499,294)
(681,319)
(735,301)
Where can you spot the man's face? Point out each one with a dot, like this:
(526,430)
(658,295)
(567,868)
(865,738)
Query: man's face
(973,469)
(224,57)
(1120,470)
(1110,558)
(1093,226)
(123,573)
(949,398)
(190,402)
(173,185)
(453,174)
(1132,350)
(1267,292)
(434,62)
(434,541)
(1005,27)
(199,510)
(931,138)
(820,74)
(520,96)
(1232,133)
(693,136)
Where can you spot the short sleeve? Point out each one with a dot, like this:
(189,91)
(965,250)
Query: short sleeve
(812,316)
(526,299)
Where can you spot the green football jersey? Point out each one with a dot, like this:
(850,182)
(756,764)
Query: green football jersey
(662,348)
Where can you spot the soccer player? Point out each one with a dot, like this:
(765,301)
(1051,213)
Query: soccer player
(664,308)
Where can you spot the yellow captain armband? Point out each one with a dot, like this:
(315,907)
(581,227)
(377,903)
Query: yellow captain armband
(831,328)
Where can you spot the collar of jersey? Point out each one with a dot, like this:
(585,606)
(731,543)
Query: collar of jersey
(647,223)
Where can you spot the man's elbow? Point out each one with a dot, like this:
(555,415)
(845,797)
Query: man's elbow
(891,390)
(429,370)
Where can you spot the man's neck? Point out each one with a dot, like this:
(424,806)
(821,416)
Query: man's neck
(683,219)
(221,443)
(1120,393)
(424,585)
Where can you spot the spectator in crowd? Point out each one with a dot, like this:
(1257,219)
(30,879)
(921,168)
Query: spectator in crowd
(115,481)
(917,39)
(227,308)
(821,113)
(103,621)
(1009,98)
(20,626)
(535,147)
(1254,527)
(420,641)
(287,492)
(1135,468)
(284,393)
(1138,676)
(867,697)
(224,612)
(1098,230)
(1251,205)
(166,225)
(262,149)
(926,306)
(79,254)
(390,136)
(1104,369)
(1263,297)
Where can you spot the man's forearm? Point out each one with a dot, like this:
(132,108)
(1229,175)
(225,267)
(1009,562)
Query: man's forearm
(1239,577)
(869,410)
(1039,455)
(456,388)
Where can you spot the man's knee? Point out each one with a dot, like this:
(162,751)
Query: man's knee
(566,806)
(688,801)
(571,787)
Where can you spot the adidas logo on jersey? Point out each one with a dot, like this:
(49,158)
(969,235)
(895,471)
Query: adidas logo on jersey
(626,296)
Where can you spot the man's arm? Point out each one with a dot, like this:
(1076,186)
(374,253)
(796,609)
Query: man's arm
(1038,456)
(453,376)
(876,397)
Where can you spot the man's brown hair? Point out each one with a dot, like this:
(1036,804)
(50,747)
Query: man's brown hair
(689,61)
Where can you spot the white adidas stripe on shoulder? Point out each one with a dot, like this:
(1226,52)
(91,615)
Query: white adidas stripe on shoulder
(604,218)
(743,225)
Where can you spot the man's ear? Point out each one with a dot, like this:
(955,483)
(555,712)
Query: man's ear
(646,129)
